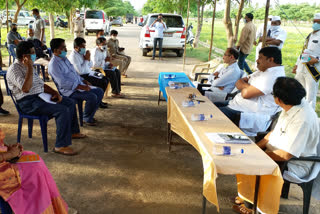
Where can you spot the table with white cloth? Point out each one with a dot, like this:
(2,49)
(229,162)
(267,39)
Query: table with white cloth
(259,178)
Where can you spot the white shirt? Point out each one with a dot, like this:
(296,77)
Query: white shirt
(81,65)
(159,28)
(262,104)
(227,78)
(38,25)
(98,58)
(279,35)
(260,30)
(297,132)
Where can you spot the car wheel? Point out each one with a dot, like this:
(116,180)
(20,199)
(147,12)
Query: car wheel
(180,53)
(86,33)
(144,52)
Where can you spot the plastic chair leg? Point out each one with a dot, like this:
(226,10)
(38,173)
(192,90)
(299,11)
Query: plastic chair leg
(307,189)
(43,126)
(5,207)
(19,129)
(80,109)
(30,127)
(285,189)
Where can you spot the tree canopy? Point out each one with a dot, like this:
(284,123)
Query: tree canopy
(169,6)
(116,7)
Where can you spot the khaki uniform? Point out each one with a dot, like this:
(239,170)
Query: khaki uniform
(118,58)
(78,24)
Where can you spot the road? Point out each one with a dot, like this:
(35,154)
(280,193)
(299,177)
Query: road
(124,165)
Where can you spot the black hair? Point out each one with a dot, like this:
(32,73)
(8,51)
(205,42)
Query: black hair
(56,43)
(78,41)
(160,14)
(35,10)
(289,90)
(234,52)
(100,40)
(114,32)
(273,52)
(249,15)
(24,48)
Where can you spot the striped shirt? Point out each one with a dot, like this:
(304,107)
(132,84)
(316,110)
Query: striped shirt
(16,76)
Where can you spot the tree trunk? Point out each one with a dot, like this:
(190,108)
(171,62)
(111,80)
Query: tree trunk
(19,6)
(68,18)
(199,24)
(71,24)
(212,29)
(237,21)
(265,24)
(185,41)
(228,24)
(51,22)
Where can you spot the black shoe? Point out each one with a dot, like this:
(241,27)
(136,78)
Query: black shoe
(103,105)
(152,58)
(4,112)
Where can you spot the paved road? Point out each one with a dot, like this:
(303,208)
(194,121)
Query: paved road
(124,165)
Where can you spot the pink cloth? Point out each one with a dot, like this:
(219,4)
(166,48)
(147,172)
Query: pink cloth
(37,191)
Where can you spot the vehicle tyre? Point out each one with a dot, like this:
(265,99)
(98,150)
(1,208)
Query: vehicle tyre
(86,33)
(180,53)
(144,52)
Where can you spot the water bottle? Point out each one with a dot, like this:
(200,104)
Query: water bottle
(227,151)
(200,117)
(190,103)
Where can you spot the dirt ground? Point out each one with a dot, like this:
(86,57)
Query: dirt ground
(124,165)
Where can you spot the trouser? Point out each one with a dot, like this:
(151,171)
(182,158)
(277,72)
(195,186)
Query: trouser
(311,86)
(118,63)
(80,34)
(114,77)
(125,62)
(155,42)
(1,97)
(101,83)
(64,113)
(93,99)
(242,62)
(44,62)
(128,61)
(233,115)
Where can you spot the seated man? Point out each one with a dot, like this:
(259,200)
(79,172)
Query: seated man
(224,78)
(80,59)
(255,102)
(116,53)
(13,39)
(26,86)
(70,84)
(100,61)
(296,133)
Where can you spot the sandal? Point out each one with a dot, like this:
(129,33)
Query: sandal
(65,151)
(242,209)
(78,136)
(117,95)
(236,200)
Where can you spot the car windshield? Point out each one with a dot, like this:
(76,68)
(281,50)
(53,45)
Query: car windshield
(94,15)
(26,14)
(171,21)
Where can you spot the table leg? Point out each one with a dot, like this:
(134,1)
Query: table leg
(169,136)
(204,205)
(159,97)
(256,193)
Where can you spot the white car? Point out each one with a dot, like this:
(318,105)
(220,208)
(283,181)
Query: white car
(173,38)
(96,20)
(24,17)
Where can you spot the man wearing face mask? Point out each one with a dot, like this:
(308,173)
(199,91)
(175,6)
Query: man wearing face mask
(101,60)
(80,59)
(276,35)
(13,37)
(71,84)
(307,68)
(26,86)
(39,26)
(159,26)
(245,43)
(78,24)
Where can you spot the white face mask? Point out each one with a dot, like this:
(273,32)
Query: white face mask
(77,15)
(275,28)
(113,37)
(245,21)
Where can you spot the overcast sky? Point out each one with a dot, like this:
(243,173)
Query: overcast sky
(138,4)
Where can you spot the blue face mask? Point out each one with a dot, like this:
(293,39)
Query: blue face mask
(33,57)
(316,26)
(35,16)
(63,54)
(82,51)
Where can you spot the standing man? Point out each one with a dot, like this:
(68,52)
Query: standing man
(246,41)
(307,71)
(78,24)
(159,25)
(276,35)
(38,26)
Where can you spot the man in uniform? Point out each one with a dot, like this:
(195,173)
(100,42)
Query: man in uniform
(308,70)
(78,24)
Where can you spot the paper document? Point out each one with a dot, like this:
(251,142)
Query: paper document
(230,138)
(46,97)
(96,74)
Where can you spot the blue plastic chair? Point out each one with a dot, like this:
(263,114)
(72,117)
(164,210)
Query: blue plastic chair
(42,119)
(3,73)
(40,68)
(11,51)
(5,207)
(49,51)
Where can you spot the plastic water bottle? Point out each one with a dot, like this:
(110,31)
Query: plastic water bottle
(190,103)
(200,117)
(227,151)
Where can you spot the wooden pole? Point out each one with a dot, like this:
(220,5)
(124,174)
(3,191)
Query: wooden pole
(265,24)
(7,8)
(237,22)
(212,29)
(185,41)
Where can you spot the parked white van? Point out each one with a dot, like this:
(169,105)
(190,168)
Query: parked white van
(96,20)
(173,38)
(24,17)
